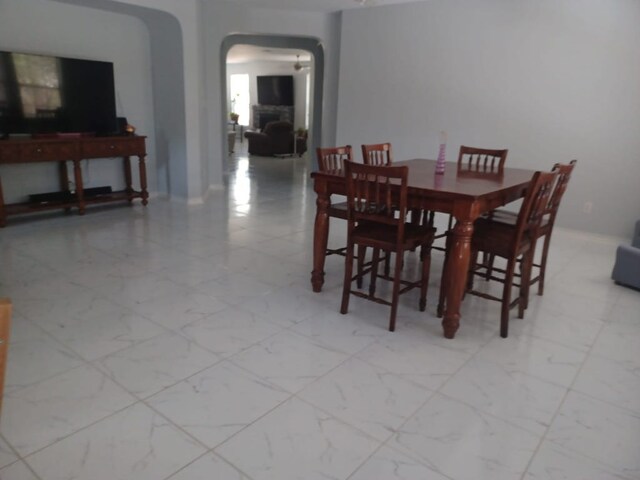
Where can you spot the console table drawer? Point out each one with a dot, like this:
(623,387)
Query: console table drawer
(8,153)
(35,152)
(113,148)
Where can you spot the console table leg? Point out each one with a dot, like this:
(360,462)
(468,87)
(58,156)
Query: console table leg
(127,179)
(3,215)
(64,175)
(77,171)
(64,180)
(143,180)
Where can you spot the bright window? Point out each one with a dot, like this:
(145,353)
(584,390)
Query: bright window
(39,84)
(239,100)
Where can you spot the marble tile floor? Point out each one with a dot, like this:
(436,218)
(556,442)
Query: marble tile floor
(185,343)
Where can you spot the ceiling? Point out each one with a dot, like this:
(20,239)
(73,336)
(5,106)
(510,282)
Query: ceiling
(251,53)
(318,5)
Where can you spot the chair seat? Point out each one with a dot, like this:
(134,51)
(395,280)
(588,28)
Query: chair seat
(497,238)
(502,216)
(510,218)
(384,236)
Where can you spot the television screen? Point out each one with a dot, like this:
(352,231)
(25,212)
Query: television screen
(45,94)
(275,90)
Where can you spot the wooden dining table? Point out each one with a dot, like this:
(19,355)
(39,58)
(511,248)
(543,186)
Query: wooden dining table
(465,195)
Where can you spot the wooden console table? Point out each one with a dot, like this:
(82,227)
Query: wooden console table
(75,150)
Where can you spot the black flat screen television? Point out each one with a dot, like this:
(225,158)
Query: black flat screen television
(46,94)
(275,90)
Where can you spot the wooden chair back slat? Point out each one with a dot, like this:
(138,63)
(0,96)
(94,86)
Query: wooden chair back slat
(377,154)
(331,159)
(481,160)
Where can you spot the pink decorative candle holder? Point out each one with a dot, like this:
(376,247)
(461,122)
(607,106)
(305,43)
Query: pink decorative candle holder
(440,163)
(438,181)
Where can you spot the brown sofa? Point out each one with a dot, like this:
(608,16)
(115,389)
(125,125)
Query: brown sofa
(275,139)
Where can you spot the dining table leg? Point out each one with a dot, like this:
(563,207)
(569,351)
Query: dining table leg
(458,266)
(320,238)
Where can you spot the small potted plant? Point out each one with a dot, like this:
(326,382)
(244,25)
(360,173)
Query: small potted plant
(233,116)
(301,132)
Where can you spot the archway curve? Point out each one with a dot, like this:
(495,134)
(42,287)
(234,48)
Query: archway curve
(309,44)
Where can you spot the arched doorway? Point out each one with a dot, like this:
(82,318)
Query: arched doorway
(312,45)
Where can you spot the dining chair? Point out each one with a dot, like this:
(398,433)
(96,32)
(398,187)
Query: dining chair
(331,160)
(476,162)
(377,154)
(376,218)
(380,154)
(515,243)
(564,172)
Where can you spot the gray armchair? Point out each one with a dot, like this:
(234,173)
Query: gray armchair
(626,270)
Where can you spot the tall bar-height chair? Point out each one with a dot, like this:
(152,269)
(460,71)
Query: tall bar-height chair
(377,208)
(477,163)
(564,172)
(515,243)
(377,154)
(331,160)
(474,162)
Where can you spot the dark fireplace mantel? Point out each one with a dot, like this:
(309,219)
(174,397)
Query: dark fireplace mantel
(285,114)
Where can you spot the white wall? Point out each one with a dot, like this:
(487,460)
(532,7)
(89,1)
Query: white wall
(80,32)
(551,80)
(257,68)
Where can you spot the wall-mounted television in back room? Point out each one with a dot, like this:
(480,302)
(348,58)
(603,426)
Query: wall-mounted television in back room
(275,90)
(46,94)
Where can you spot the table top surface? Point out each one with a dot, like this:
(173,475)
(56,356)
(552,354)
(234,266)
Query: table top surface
(422,177)
(66,138)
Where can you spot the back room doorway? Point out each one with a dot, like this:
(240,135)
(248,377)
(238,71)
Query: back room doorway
(301,57)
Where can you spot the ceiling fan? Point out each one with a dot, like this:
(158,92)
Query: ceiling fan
(299,66)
